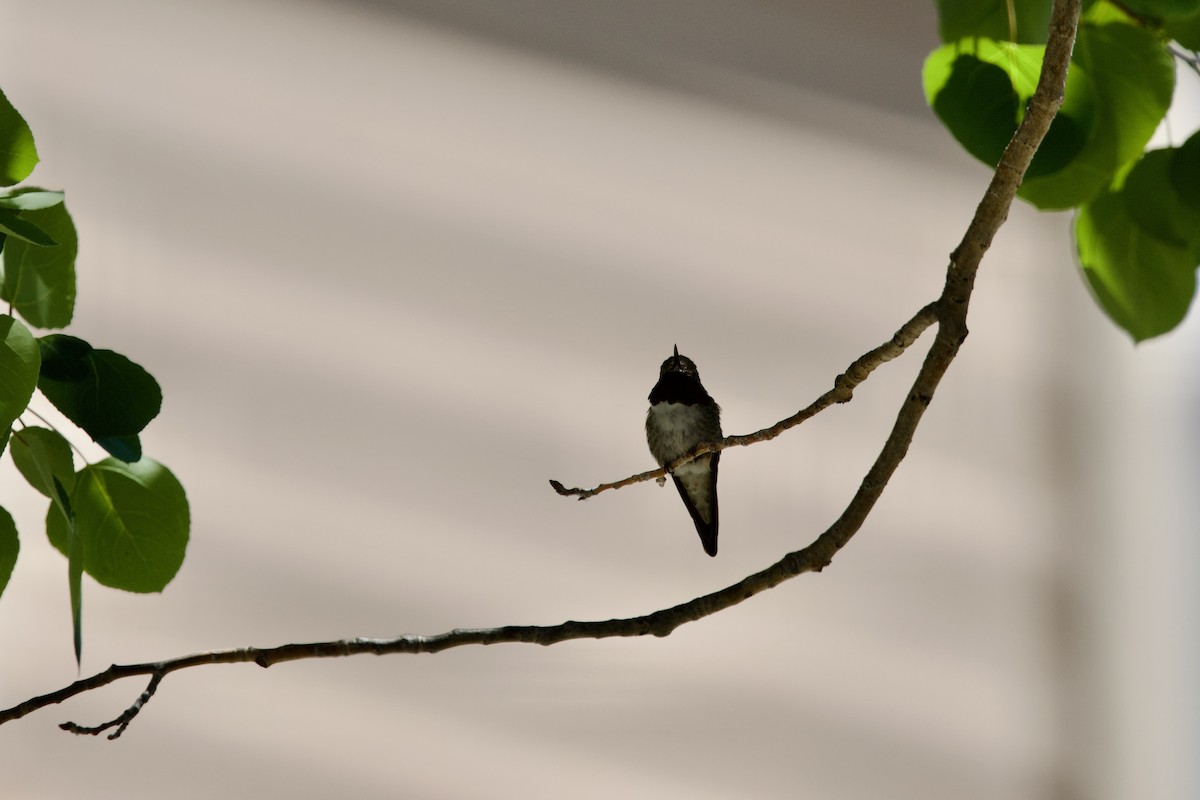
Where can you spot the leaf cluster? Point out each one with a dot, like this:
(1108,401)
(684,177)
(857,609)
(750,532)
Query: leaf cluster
(1137,213)
(125,519)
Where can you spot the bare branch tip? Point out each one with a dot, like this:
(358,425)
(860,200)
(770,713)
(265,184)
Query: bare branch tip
(582,494)
(121,722)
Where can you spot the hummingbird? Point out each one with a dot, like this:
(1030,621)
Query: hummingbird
(682,415)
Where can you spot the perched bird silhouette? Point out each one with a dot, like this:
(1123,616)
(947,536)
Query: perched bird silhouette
(681,416)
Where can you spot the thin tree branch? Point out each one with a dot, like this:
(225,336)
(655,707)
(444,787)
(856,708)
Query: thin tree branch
(121,722)
(950,313)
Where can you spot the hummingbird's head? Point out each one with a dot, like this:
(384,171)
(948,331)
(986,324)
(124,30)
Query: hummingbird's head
(680,364)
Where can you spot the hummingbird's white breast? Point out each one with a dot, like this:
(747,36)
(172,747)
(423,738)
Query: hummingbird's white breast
(675,428)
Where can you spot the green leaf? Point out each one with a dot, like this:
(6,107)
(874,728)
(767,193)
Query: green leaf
(102,392)
(43,456)
(12,224)
(1184,171)
(132,522)
(1118,89)
(1185,30)
(1144,284)
(30,198)
(1102,12)
(10,545)
(979,88)
(1021,63)
(1162,9)
(19,363)
(1021,21)
(74,568)
(1153,204)
(18,156)
(977,103)
(1125,76)
(40,281)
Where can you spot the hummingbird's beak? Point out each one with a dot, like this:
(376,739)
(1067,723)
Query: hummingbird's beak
(676,365)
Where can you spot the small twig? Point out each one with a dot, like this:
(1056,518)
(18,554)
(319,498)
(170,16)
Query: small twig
(122,721)
(1189,57)
(842,392)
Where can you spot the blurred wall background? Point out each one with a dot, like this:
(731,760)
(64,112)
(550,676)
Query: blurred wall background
(397,263)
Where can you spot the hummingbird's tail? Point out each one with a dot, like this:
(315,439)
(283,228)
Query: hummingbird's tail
(699,492)
(708,538)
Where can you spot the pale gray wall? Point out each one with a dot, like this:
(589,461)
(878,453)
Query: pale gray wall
(395,265)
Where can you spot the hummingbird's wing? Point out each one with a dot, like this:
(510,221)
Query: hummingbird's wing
(698,488)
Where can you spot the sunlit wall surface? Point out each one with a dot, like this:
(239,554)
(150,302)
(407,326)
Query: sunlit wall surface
(397,264)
